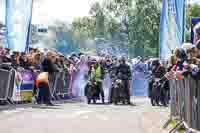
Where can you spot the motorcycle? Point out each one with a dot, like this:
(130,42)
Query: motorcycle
(91,92)
(118,92)
(157,92)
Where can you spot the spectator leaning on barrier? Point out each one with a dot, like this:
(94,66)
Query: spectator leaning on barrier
(48,63)
(43,63)
(187,62)
(48,66)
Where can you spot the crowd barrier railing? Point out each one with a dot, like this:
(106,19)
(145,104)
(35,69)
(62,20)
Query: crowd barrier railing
(7,75)
(60,84)
(4,84)
(185,103)
(18,85)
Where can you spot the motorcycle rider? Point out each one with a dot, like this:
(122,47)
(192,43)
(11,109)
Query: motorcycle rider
(113,71)
(97,75)
(91,76)
(123,72)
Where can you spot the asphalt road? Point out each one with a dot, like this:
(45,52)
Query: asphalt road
(78,117)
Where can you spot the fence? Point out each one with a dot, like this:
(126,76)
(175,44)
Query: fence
(18,85)
(4,84)
(6,77)
(59,87)
(185,101)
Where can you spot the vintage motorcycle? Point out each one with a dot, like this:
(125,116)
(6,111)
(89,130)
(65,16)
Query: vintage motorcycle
(118,92)
(91,92)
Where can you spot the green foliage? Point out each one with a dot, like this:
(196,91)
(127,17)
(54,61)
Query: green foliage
(84,27)
(144,19)
(117,7)
(107,20)
(191,11)
(104,20)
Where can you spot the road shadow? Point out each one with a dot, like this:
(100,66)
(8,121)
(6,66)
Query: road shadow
(72,101)
(46,107)
(130,105)
(127,105)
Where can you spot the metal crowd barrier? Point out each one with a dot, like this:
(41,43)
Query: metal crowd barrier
(12,85)
(4,84)
(61,86)
(18,85)
(185,102)
(7,74)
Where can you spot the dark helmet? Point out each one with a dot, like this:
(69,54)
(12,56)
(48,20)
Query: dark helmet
(73,55)
(122,59)
(156,62)
(80,54)
(93,61)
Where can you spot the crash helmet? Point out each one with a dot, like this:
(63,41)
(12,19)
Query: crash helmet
(122,59)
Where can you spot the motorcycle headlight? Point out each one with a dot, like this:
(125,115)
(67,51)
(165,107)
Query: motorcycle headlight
(119,81)
(115,86)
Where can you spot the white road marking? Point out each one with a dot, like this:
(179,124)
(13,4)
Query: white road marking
(80,112)
(13,111)
(102,117)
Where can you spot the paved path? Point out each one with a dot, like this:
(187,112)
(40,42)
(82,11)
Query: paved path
(78,117)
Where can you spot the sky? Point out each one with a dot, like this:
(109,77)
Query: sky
(45,11)
(2,11)
(193,1)
(65,10)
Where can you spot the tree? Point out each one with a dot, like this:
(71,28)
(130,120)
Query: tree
(117,7)
(85,26)
(97,11)
(108,20)
(144,19)
(192,11)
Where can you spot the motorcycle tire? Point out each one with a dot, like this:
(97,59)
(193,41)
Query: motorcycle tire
(123,102)
(89,101)
(94,101)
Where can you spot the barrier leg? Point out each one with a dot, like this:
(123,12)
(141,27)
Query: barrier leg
(10,101)
(167,123)
(177,127)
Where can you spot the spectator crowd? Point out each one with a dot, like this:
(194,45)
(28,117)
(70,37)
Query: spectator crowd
(45,64)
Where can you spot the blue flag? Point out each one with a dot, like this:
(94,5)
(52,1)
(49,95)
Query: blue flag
(171,26)
(18,20)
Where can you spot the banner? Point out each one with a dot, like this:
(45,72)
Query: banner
(2,11)
(171,26)
(18,20)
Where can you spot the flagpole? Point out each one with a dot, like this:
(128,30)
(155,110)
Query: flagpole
(29,35)
(6,23)
(184,20)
